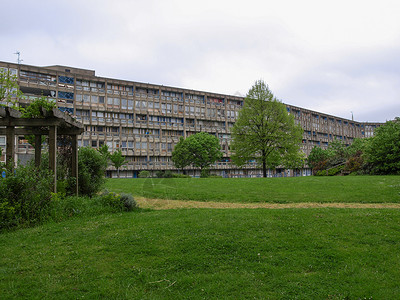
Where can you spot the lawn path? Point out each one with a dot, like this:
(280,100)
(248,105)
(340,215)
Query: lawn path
(175,204)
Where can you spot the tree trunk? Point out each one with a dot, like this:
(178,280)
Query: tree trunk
(264,163)
(264,169)
(118,172)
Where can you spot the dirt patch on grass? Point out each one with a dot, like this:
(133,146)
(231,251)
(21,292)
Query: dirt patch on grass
(176,204)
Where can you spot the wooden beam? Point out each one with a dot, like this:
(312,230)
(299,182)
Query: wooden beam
(9,112)
(10,146)
(53,153)
(74,167)
(38,149)
(32,130)
(30,122)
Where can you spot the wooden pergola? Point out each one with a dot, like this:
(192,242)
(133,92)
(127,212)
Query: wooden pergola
(53,123)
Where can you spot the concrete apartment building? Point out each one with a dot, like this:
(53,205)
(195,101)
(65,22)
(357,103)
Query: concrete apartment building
(146,120)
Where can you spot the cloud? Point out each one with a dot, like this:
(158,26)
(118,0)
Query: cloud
(335,57)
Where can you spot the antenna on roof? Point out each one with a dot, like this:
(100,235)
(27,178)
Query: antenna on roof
(18,59)
(352,117)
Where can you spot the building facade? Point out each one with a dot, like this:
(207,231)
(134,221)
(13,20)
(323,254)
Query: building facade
(145,120)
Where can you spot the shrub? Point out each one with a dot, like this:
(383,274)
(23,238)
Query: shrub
(25,196)
(144,174)
(178,175)
(160,174)
(111,200)
(320,173)
(128,202)
(168,174)
(205,173)
(123,202)
(335,171)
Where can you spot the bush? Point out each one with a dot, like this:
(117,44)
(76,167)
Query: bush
(320,173)
(335,171)
(168,174)
(25,196)
(111,200)
(205,173)
(123,202)
(178,175)
(128,202)
(159,174)
(144,174)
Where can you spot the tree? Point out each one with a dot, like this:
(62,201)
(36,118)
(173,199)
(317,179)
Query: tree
(92,166)
(317,156)
(383,150)
(104,151)
(9,89)
(199,150)
(117,160)
(180,155)
(264,131)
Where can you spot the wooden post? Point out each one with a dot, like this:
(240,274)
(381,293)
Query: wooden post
(53,153)
(38,149)
(10,146)
(74,167)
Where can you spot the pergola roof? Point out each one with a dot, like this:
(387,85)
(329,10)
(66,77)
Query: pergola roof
(52,123)
(65,123)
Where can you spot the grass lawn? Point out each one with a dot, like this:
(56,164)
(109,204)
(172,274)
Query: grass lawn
(362,189)
(205,253)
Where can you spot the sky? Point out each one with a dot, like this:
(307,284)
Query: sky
(337,57)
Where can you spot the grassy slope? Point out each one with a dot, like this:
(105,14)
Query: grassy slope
(213,254)
(364,189)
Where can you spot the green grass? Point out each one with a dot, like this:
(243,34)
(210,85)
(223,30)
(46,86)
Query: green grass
(207,254)
(210,253)
(363,189)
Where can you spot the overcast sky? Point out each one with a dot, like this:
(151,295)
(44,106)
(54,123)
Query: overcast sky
(335,57)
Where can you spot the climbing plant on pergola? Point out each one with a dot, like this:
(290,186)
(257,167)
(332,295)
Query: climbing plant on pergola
(52,124)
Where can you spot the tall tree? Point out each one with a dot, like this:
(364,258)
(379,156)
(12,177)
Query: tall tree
(9,89)
(180,155)
(265,132)
(383,150)
(199,150)
(104,151)
(117,160)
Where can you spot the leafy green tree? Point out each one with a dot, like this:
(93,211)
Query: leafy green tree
(265,132)
(181,155)
(316,156)
(383,150)
(9,89)
(199,150)
(117,160)
(103,150)
(92,166)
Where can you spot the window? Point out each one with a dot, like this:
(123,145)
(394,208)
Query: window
(66,79)
(65,95)
(124,103)
(130,104)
